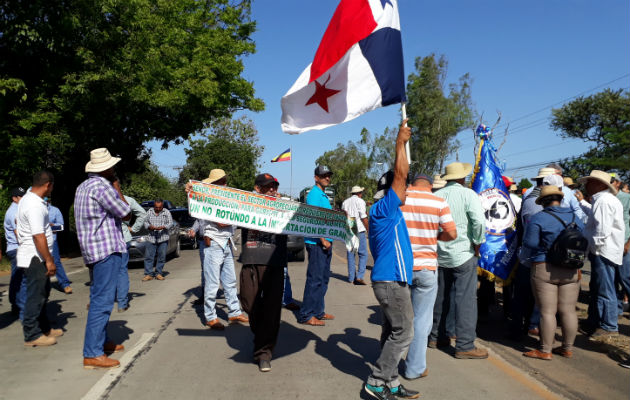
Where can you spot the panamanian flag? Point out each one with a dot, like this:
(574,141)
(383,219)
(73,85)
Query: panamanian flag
(357,68)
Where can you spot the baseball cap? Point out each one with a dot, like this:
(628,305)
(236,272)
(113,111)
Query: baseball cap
(321,170)
(423,176)
(18,192)
(265,179)
(554,180)
(384,183)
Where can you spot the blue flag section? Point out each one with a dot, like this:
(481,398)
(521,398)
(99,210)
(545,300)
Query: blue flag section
(499,252)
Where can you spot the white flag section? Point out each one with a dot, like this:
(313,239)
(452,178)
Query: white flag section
(358,68)
(268,214)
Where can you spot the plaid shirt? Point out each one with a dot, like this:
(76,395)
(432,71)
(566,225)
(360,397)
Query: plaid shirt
(98,211)
(162,219)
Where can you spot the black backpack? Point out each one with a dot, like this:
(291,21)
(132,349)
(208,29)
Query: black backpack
(569,248)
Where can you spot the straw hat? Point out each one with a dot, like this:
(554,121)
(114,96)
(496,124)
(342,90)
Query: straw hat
(544,172)
(438,183)
(601,176)
(568,182)
(356,189)
(215,175)
(457,170)
(100,160)
(549,190)
(513,187)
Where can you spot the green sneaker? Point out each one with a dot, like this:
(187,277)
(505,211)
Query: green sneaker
(379,392)
(403,393)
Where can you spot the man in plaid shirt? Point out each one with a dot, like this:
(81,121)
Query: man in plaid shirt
(158,221)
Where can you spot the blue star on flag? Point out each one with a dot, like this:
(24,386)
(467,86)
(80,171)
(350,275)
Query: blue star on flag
(386,2)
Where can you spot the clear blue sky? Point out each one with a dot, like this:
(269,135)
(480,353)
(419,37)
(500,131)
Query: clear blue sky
(523,57)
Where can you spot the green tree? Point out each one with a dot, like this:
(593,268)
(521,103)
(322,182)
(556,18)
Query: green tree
(79,75)
(231,145)
(524,184)
(151,184)
(435,114)
(603,120)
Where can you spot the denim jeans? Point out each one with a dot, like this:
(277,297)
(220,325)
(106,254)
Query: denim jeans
(287,297)
(362,253)
(622,277)
(62,278)
(35,321)
(149,257)
(463,280)
(218,267)
(202,245)
(122,281)
(522,301)
(102,297)
(317,277)
(397,331)
(423,293)
(602,308)
(17,274)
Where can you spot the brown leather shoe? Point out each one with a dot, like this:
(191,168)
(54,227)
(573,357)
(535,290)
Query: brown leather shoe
(474,353)
(111,347)
(159,277)
(43,340)
(215,324)
(359,282)
(67,290)
(425,373)
(54,333)
(327,317)
(100,362)
(561,351)
(534,332)
(147,278)
(313,322)
(538,354)
(238,319)
(439,344)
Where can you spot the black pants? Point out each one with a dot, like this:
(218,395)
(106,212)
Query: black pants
(35,321)
(262,288)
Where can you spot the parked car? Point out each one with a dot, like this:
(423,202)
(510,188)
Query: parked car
(185,224)
(138,243)
(295,246)
(149,204)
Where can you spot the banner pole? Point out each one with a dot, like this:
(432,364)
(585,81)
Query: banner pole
(291,184)
(403,109)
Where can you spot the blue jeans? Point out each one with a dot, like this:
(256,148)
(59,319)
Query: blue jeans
(102,297)
(362,259)
(287,298)
(62,278)
(16,277)
(122,281)
(602,308)
(622,277)
(317,277)
(202,245)
(149,257)
(423,293)
(218,267)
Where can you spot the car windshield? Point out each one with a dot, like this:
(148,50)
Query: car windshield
(183,218)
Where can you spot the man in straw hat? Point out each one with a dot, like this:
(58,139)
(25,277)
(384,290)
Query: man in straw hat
(218,265)
(354,207)
(623,273)
(605,232)
(99,208)
(392,275)
(457,262)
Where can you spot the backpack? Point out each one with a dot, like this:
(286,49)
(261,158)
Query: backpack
(569,248)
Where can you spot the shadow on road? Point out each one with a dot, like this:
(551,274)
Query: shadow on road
(58,318)
(118,331)
(365,350)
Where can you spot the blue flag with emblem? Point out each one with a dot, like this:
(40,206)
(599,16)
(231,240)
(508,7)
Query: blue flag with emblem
(499,252)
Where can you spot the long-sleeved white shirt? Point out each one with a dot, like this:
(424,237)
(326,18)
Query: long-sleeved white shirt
(604,228)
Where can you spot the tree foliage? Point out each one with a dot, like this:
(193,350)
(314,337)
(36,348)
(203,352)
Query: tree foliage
(436,112)
(603,120)
(524,184)
(151,184)
(231,145)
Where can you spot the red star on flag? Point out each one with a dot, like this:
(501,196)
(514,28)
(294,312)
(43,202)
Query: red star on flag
(321,95)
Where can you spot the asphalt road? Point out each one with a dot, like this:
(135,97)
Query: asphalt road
(170,354)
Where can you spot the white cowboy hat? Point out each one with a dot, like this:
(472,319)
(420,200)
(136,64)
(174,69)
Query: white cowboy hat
(601,176)
(545,172)
(438,183)
(356,189)
(100,160)
(457,170)
(215,175)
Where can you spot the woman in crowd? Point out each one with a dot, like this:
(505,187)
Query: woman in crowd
(556,288)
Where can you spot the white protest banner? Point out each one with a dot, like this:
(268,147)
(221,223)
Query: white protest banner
(268,214)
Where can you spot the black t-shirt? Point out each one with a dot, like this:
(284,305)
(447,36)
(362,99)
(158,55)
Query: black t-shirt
(263,248)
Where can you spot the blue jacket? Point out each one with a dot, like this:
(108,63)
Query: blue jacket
(543,229)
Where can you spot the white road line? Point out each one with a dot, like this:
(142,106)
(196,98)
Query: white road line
(100,387)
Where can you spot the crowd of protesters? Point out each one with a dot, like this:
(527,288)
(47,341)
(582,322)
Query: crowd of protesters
(425,235)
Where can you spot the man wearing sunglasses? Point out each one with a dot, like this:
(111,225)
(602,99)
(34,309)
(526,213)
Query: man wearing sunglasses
(264,258)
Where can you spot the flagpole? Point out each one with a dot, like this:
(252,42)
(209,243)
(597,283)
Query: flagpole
(403,109)
(291,184)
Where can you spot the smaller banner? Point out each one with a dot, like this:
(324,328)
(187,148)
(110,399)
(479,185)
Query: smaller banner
(498,253)
(268,214)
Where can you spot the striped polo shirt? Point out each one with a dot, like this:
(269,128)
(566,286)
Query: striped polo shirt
(424,215)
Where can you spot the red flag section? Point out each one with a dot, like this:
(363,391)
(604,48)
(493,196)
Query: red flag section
(353,21)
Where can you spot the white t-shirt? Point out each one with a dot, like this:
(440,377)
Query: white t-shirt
(355,208)
(32,219)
